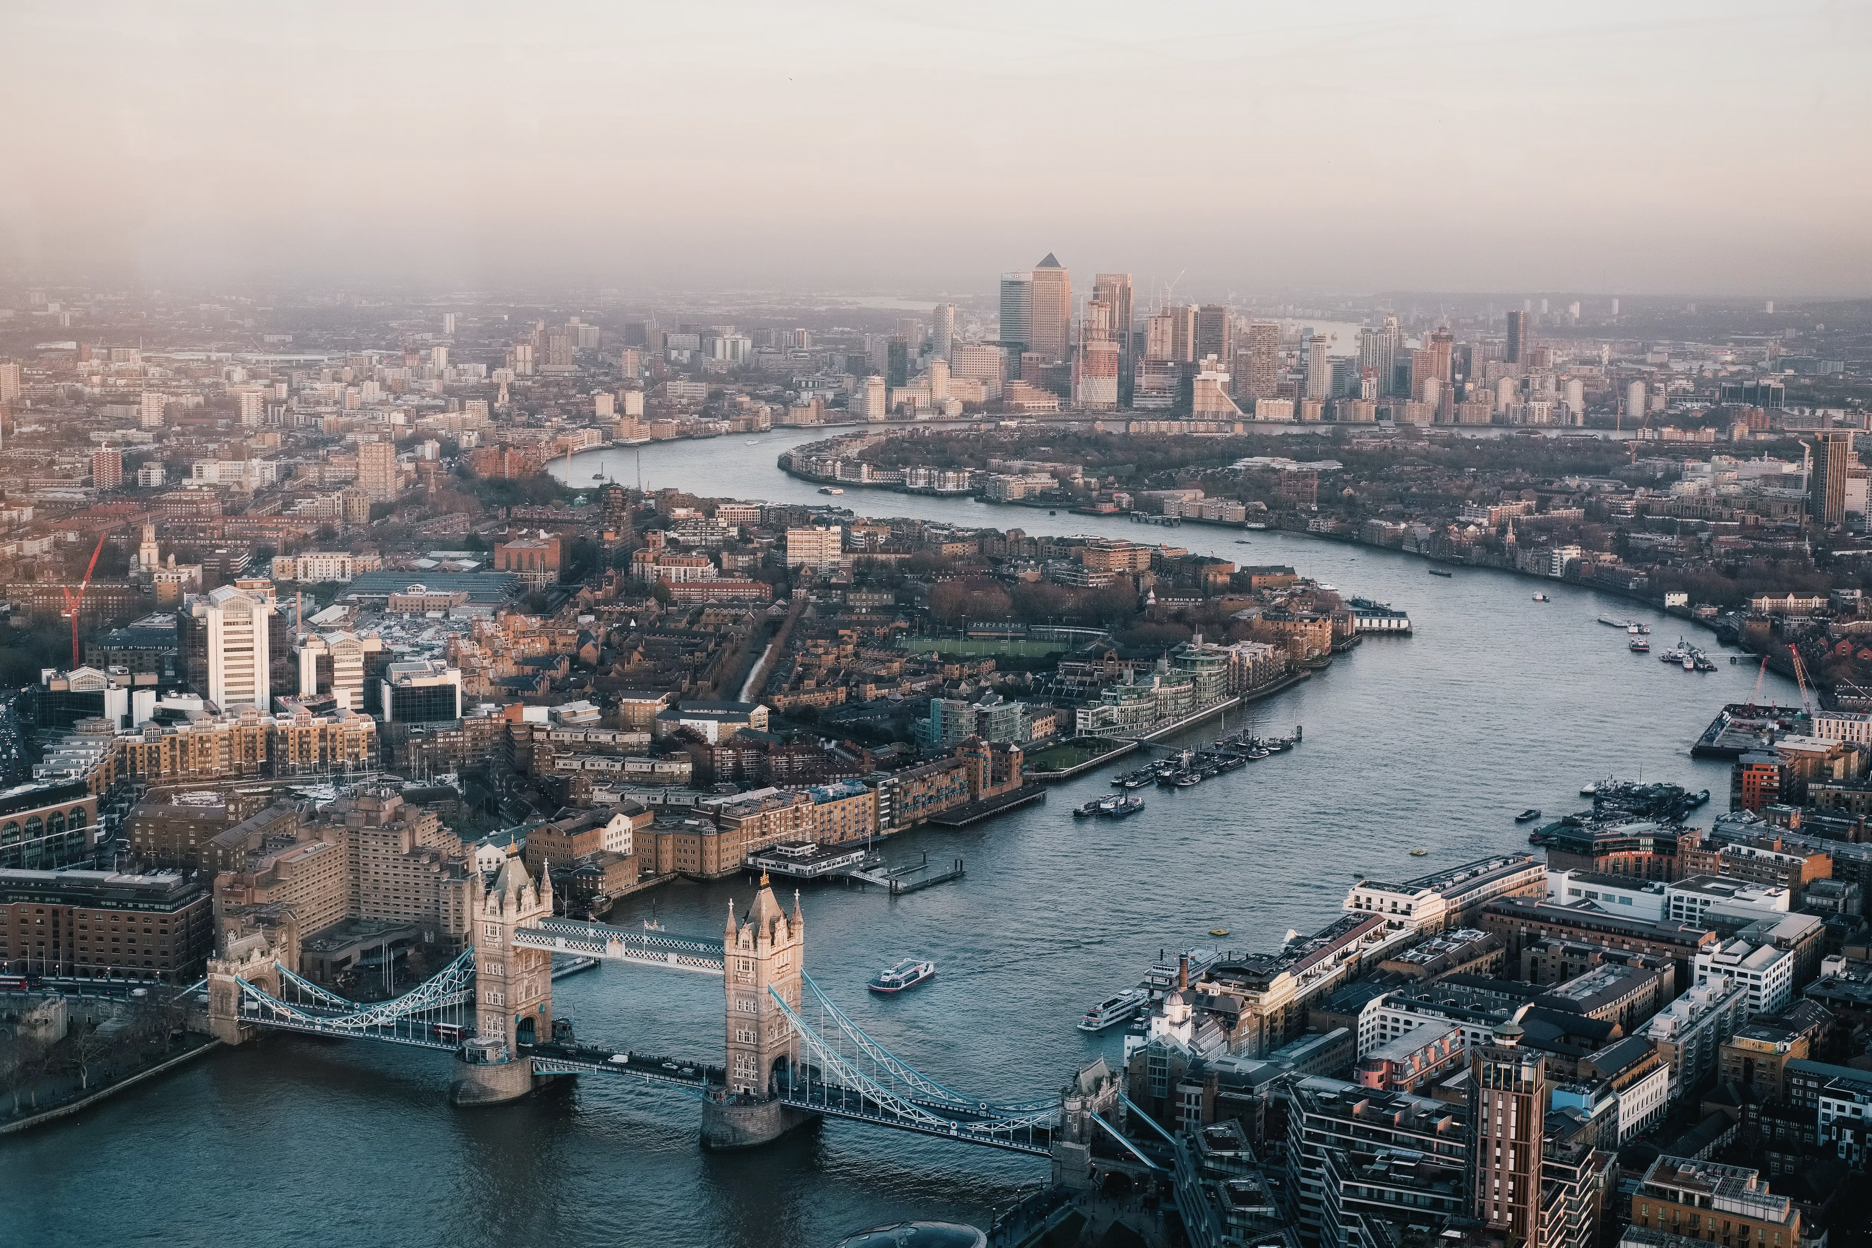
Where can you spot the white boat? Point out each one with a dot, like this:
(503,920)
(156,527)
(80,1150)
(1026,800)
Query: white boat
(1114,1009)
(901,975)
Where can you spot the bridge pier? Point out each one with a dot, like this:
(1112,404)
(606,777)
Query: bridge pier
(727,1127)
(479,1081)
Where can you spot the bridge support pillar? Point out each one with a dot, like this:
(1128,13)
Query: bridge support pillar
(491,1083)
(728,1127)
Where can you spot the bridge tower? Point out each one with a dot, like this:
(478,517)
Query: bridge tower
(765,952)
(250,949)
(513,989)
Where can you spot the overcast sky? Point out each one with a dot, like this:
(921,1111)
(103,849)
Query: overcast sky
(1644,147)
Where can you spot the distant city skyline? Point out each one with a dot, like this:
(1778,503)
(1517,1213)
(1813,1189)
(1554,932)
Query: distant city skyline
(1695,150)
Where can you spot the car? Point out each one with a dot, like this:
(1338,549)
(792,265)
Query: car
(687,1072)
(669,1065)
(619,1059)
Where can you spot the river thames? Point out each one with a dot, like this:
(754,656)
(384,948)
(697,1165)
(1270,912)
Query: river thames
(1430,742)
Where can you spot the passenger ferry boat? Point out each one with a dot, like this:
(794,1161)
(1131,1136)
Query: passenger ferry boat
(1640,646)
(1114,1009)
(901,975)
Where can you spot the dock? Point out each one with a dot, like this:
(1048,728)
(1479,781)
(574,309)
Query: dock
(899,880)
(975,812)
(1740,727)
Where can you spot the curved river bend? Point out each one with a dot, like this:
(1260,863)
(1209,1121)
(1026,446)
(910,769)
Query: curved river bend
(1434,742)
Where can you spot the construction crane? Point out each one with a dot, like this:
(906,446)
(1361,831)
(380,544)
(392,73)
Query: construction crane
(1800,678)
(78,602)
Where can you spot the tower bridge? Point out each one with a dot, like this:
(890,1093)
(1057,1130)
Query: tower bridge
(791,1055)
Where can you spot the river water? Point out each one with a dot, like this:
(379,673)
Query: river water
(1433,742)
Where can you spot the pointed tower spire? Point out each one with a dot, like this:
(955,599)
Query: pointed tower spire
(731,923)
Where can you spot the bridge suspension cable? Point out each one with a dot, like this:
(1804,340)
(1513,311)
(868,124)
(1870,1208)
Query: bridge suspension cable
(436,1014)
(824,1079)
(930,1088)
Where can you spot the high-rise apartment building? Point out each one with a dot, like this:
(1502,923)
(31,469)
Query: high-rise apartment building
(1507,1113)
(377,471)
(1016,317)
(942,330)
(1050,324)
(252,407)
(150,409)
(1516,351)
(1376,352)
(235,625)
(1257,366)
(1318,369)
(9,381)
(107,468)
(1215,332)
(1833,460)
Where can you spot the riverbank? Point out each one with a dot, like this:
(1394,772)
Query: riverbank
(92,1097)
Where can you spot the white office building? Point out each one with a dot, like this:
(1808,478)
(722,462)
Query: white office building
(1765,972)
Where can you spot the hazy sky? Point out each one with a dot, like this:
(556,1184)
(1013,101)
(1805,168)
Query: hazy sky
(1630,147)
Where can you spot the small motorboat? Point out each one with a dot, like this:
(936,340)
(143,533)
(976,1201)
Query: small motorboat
(901,975)
(1528,816)
(1441,572)
(1419,853)
(1542,598)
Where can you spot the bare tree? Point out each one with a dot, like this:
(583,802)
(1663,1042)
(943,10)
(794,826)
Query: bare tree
(85,1047)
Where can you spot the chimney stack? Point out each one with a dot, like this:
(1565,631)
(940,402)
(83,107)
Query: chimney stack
(1182,971)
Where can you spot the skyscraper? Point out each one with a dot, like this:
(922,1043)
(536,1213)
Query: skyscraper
(1443,353)
(1507,1113)
(1016,317)
(1516,350)
(1114,291)
(1095,364)
(234,624)
(942,334)
(1182,331)
(1257,371)
(1158,340)
(1051,310)
(1375,354)
(1832,463)
(1215,332)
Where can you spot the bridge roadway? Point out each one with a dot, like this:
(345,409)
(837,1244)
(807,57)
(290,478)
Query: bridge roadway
(622,944)
(835,1100)
(576,1059)
(813,1095)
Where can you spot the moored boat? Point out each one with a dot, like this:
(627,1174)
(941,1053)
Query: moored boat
(1440,572)
(901,975)
(1529,815)
(1114,1009)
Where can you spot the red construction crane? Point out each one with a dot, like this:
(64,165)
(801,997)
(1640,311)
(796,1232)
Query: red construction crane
(1800,678)
(76,603)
